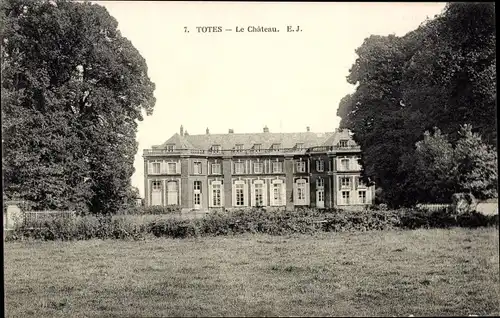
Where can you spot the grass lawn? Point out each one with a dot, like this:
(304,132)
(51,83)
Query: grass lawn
(421,272)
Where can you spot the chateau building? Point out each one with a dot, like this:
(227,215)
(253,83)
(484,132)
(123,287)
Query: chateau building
(215,171)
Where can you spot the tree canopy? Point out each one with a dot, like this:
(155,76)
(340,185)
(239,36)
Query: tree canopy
(73,89)
(439,75)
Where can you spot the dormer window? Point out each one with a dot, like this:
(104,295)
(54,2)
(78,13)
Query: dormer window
(276,147)
(299,146)
(216,148)
(170,147)
(343,143)
(238,147)
(257,147)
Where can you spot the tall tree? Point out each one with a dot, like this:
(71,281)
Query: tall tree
(73,90)
(440,75)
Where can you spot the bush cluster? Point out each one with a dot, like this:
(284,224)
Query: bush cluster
(305,221)
(80,228)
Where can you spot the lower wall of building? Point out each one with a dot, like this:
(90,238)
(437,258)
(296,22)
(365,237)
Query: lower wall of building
(187,194)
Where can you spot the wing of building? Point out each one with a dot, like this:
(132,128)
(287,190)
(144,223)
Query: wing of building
(214,171)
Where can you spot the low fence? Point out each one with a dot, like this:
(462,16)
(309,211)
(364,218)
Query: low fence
(34,219)
(433,206)
(486,207)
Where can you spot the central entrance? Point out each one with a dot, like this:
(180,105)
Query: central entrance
(320,199)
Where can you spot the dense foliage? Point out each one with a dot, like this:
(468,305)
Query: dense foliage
(72,90)
(440,75)
(307,221)
(437,169)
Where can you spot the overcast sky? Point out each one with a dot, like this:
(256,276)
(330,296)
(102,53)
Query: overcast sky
(245,81)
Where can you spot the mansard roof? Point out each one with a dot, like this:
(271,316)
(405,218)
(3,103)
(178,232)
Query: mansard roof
(179,142)
(248,140)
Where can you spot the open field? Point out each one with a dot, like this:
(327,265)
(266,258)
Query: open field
(421,272)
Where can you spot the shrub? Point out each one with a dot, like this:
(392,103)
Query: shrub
(81,228)
(175,228)
(156,210)
(161,209)
(305,221)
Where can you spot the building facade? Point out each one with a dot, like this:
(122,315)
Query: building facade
(287,170)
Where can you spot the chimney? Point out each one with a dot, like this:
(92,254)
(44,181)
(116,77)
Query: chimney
(231,131)
(308,129)
(266,130)
(181,131)
(208,131)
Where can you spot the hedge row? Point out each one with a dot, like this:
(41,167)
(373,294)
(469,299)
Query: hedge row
(155,210)
(306,221)
(80,228)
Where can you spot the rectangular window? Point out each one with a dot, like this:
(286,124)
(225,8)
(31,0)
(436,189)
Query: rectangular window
(170,148)
(321,196)
(259,194)
(156,167)
(299,146)
(301,166)
(345,182)
(216,148)
(357,164)
(239,168)
(276,147)
(301,191)
(171,167)
(216,194)
(320,165)
(344,164)
(345,197)
(277,167)
(258,167)
(361,183)
(216,168)
(343,143)
(239,194)
(277,194)
(156,185)
(197,168)
(197,185)
(172,192)
(362,196)
(320,182)
(238,147)
(257,147)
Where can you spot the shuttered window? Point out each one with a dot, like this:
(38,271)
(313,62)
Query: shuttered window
(216,168)
(239,168)
(171,167)
(156,168)
(258,167)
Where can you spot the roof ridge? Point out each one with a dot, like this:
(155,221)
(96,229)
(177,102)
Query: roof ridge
(248,140)
(262,133)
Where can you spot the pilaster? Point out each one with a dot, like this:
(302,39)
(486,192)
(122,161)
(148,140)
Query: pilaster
(288,169)
(185,182)
(226,171)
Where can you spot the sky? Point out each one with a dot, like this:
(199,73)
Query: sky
(247,80)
